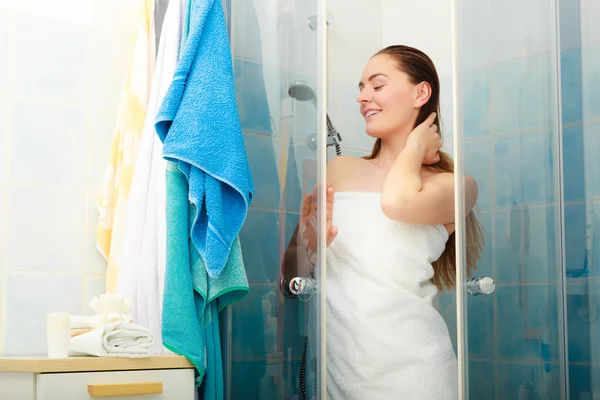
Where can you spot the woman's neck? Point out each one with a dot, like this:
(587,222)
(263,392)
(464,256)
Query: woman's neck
(391,148)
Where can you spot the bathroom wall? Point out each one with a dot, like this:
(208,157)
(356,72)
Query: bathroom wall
(273,46)
(425,25)
(60,78)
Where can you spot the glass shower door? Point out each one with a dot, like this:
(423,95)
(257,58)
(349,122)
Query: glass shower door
(508,133)
(275,341)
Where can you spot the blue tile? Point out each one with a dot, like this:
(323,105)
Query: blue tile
(570,84)
(481,380)
(508,246)
(485,267)
(575,237)
(523,170)
(573,160)
(521,95)
(293,187)
(591,80)
(480,322)
(579,328)
(254,322)
(539,245)
(512,375)
(291,223)
(595,242)
(591,143)
(256,380)
(291,378)
(580,381)
(476,102)
(522,313)
(537,165)
(258,101)
(478,164)
(259,238)
(263,161)
(508,190)
(294,329)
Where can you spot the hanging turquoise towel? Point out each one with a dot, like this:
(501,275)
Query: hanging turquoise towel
(199,125)
(192,300)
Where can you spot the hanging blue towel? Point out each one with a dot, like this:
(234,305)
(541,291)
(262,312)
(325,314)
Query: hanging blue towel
(192,300)
(199,125)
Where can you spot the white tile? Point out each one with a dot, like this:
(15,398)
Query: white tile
(109,62)
(29,298)
(103,122)
(446,106)
(404,22)
(252,40)
(4,138)
(590,29)
(520,28)
(351,124)
(3,186)
(475,33)
(73,11)
(570,24)
(6,26)
(51,59)
(94,286)
(353,37)
(45,229)
(48,144)
(296,42)
(95,262)
(115,15)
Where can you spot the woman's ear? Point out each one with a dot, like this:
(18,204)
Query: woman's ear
(423,94)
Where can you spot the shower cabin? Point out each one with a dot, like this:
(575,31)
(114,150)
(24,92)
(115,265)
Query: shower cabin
(520,113)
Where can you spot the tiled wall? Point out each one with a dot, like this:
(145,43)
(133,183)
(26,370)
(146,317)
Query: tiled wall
(267,330)
(60,78)
(509,102)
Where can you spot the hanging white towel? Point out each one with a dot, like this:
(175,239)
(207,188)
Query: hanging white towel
(141,276)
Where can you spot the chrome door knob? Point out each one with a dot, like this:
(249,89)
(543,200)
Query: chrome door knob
(300,286)
(481,285)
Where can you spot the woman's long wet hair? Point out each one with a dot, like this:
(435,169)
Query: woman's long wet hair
(419,68)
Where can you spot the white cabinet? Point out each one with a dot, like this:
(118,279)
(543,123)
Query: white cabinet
(153,378)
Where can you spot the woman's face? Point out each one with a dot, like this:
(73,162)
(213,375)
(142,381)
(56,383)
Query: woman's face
(388,100)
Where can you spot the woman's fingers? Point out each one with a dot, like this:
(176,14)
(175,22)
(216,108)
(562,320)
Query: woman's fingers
(305,208)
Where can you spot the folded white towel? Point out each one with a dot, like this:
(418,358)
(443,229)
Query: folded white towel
(115,339)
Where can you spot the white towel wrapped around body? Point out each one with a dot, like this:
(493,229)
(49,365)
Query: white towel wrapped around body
(114,339)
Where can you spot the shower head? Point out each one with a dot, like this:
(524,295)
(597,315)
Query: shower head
(302,91)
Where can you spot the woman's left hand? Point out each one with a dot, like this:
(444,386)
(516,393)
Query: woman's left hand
(426,139)
(308,220)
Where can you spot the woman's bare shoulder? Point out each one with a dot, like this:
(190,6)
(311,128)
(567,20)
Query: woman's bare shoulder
(341,167)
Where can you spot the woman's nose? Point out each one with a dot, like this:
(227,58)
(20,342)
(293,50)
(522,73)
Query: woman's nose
(363,98)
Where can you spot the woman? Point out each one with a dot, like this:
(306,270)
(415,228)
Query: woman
(390,237)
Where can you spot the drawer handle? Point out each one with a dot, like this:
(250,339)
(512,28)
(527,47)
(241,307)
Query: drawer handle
(125,389)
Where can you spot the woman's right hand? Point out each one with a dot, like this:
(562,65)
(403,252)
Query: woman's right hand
(308,220)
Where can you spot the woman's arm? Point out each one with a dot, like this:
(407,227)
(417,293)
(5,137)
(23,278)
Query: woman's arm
(407,197)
